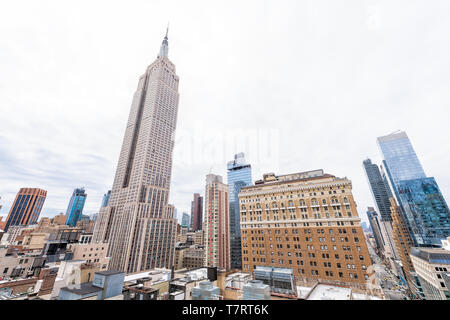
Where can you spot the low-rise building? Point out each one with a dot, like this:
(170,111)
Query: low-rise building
(327,291)
(86,225)
(91,252)
(15,234)
(185,280)
(157,279)
(256,290)
(280,280)
(14,264)
(193,257)
(205,291)
(431,265)
(140,292)
(106,285)
(34,241)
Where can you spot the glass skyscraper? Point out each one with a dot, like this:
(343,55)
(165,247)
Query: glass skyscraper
(376,228)
(379,188)
(185,219)
(75,208)
(239,175)
(105,199)
(400,159)
(425,210)
(422,204)
(26,207)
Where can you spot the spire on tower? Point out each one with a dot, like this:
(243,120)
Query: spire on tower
(164,51)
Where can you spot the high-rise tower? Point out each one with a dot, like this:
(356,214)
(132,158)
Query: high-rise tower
(196,212)
(400,159)
(424,208)
(26,207)
(185,219)
(74,210)
(216,224)
(379,188)
(239,174)
(138,222)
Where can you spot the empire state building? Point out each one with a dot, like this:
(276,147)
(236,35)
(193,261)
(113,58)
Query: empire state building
(138,222)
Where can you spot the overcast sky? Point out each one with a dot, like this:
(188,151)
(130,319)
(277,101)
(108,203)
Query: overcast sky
(297,85)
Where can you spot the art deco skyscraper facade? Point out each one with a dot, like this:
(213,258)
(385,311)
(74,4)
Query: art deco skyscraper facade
(239,174)
(216,223)
(26,207)
(138,222)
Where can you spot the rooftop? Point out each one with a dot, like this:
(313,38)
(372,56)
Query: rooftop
(238,275)
(432,255)
(302,292)
(327,292)
(361,296)
(108,272)
(155,274)
(82,289)
(272,180)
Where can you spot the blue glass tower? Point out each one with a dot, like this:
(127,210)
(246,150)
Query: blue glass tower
(400,159)
(185,219)
(419,197)
(239,175)
(425,210)
(75,208)
(105,199)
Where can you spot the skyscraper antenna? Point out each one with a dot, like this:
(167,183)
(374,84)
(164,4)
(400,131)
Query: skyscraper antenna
(167,30)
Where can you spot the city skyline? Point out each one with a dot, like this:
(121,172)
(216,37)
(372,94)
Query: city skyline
(60,162)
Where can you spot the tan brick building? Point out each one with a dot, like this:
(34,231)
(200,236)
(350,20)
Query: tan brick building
(93,253)
(307,222)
